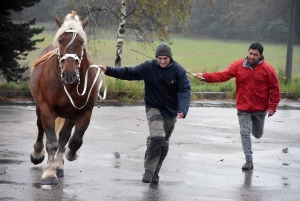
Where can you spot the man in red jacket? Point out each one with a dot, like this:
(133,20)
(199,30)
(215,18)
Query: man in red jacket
(257,94)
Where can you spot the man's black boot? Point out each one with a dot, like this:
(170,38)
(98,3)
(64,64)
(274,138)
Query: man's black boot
(148,176)
(155,179)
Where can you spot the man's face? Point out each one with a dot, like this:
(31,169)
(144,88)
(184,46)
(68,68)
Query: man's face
(253,56)
(163,61)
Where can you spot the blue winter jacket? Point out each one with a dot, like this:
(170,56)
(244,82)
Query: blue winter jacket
(167,89)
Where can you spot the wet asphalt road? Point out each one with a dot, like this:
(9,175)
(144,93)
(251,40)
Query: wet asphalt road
(204,161)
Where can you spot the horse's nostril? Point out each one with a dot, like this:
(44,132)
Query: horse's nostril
(64,76)
(73,76)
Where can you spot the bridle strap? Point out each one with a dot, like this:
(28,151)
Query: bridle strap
(71,30)
(74,56)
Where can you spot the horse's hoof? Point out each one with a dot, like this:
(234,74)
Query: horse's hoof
(71,156)
(60,173)
(36,160)
(49,181)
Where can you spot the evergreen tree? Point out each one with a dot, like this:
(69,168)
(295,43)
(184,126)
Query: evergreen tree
(15,39)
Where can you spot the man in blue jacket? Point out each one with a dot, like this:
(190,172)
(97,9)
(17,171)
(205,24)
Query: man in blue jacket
(167,97)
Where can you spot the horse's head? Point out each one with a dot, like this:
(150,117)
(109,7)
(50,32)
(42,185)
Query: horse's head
(71,40)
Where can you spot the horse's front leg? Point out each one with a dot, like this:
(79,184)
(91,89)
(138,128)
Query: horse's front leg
(38,154)
(49,176)
(81,124)
(64,136)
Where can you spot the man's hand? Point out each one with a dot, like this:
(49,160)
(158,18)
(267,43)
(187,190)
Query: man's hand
(103,68)
(180,115)
(200,76)
(270,112)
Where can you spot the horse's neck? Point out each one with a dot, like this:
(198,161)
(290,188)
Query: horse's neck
(85,64)
(89,58)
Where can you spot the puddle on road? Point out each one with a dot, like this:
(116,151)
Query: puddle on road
(9,161)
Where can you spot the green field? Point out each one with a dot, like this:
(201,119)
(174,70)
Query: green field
(195,55)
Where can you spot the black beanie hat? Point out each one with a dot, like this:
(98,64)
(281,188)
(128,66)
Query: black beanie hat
(163,49)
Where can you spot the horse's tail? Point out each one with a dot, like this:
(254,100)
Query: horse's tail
(59,122)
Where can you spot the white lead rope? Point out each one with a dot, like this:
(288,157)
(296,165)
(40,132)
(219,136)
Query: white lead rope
(99,72)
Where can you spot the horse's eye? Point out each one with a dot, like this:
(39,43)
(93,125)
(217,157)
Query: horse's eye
(60,42)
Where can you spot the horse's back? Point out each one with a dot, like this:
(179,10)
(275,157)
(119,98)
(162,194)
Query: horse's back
(47,50)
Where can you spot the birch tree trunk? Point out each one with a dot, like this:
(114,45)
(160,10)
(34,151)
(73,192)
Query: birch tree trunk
(120,36)
(289,52)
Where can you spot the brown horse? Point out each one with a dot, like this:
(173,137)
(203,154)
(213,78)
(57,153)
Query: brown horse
(58,84)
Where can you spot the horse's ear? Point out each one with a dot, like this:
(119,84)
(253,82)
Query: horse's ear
(85,22)
(58,21)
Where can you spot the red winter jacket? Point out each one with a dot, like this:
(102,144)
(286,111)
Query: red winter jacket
(256,90)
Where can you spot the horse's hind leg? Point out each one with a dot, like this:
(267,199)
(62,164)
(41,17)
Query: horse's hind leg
(82,123)
(38,154)
(64,136)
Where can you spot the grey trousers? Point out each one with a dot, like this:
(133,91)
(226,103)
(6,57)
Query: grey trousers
(250,122)
(160,129)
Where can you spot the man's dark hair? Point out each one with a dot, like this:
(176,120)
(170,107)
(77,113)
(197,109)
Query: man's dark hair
(257,46)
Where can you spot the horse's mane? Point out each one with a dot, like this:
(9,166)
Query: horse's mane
(45,57)
(73,22)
